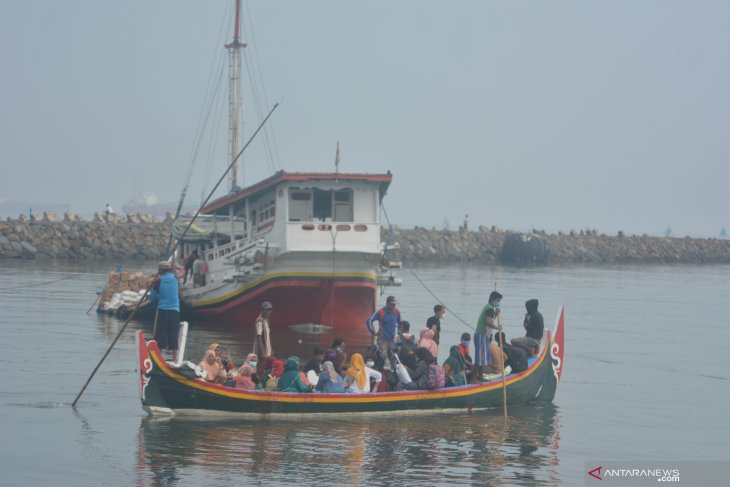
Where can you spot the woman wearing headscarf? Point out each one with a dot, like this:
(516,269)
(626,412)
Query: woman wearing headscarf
(357,380)
(428,343)
(290,380)
(419,377)
(222,354)
(244,380)
(214,371)
(454,367)
(270,379)
(330,381)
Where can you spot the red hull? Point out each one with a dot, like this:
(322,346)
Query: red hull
(341,304)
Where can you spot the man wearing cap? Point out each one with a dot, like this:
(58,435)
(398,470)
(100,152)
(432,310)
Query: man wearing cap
(389,318)
(165,292)
(262,340)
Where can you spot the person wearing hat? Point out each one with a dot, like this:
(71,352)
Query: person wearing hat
(389,319)
(262,340)
(165,292)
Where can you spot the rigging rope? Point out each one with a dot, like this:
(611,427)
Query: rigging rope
(388,238)
(45,283)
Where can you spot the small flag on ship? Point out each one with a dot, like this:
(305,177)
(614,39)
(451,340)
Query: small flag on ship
(337,158)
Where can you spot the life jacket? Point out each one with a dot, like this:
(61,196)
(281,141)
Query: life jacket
(436,376)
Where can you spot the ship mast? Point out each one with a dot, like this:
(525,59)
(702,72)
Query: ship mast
(234,119)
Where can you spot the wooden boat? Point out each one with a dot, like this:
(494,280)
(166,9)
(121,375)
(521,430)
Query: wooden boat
(164,389)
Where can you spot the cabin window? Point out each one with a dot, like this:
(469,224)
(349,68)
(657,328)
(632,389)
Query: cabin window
(300,206)
(343,205)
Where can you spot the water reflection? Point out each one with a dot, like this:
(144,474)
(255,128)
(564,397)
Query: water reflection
(481,448)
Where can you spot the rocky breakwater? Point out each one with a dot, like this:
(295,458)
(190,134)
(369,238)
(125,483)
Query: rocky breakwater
(104,236)
(492,245)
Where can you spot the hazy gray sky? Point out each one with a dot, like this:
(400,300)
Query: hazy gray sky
(555,115)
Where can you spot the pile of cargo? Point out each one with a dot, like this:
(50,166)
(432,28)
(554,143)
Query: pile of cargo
(123,290)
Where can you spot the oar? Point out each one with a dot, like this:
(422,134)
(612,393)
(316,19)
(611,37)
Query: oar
(190,224)
(501,351)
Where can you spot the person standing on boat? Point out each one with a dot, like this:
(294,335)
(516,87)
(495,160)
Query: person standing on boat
(434,322)
(389,319)
(262,340)
(189,261)
(482,337)
(166,292)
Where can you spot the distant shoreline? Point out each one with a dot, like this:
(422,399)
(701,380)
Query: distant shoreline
(145,237)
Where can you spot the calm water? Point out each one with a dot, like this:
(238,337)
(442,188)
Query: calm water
(645,378)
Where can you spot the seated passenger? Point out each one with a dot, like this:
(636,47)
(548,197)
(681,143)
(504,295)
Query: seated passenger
(265,367)
(290,380)
(315,362)
(244,380)
(252,361)
(222,354)
(357,380)
(498,356)
(270,378)
(464,351)
(428,343)
(214,371)
(406,344)
(454,368)
(515,357)
(337,354)
(329,380)
(534,328)
(373,359)
(419,376)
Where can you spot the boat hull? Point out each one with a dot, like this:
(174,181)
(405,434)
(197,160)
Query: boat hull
(165,389)
(303,291)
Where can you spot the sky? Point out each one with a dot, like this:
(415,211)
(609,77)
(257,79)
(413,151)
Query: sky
(547,115)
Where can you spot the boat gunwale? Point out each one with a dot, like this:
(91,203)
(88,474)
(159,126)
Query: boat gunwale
(329,398)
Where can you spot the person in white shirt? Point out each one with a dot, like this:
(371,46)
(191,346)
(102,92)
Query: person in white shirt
(108,210)
(359,376)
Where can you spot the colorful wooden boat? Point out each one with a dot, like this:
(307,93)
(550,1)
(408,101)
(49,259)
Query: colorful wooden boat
(164,389)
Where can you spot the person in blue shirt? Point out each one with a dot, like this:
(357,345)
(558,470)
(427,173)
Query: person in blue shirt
(166,292)
(389,319)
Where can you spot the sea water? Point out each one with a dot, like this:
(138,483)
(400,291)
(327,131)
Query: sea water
(645,379)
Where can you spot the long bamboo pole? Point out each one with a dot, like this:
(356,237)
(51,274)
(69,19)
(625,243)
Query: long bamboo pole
(131,315)
(501,351)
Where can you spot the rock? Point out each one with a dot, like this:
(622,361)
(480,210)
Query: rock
(27,250)
(49,216)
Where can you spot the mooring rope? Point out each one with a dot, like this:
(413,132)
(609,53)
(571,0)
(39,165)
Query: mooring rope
(45,283)
(390,228)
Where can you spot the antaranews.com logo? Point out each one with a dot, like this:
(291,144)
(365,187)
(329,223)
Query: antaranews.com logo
(679,473)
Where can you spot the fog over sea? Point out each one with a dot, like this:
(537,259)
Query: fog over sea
(646,377)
